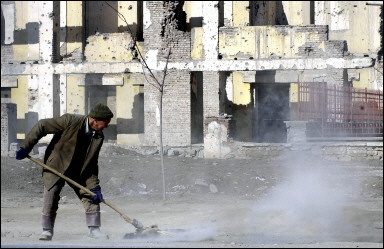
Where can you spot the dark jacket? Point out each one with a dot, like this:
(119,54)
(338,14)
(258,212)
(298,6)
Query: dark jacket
(60,153)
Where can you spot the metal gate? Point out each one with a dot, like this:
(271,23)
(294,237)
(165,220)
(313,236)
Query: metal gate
(340,111)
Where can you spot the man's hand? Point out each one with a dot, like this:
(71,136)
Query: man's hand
(98,197)
(21,154)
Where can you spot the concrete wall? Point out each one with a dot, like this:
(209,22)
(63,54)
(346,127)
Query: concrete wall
(335,151)
(241,90)
(370,78)
(75,94)
(74,33)
(20,96)
(353,21)
(109,48)
(26,31)
(240,13)
(130,110)
(297,12)
(261,42)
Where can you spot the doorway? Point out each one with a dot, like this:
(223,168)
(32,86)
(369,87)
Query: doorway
(197,120)
(271,110)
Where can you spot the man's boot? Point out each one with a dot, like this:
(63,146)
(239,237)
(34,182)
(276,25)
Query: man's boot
(48,223)
(94,222)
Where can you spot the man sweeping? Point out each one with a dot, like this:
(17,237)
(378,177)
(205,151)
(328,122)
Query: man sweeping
(73,151)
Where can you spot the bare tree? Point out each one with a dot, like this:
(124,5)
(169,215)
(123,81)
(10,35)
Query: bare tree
(159,85)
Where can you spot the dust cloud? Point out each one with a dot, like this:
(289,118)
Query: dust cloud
(191,233)
(308,202)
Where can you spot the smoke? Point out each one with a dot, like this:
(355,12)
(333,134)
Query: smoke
(307,204)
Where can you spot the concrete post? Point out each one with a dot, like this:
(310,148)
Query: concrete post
(296,131)
(216,136)
(8,126)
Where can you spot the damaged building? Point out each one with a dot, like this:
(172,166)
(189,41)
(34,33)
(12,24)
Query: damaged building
(238,71)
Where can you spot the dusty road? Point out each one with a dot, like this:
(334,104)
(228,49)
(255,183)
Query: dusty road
(290,201)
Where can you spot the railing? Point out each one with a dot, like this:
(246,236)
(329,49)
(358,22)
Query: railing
(340,111)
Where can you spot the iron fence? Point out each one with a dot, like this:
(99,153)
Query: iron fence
(340,111)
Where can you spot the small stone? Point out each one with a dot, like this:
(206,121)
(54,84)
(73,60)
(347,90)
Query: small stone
(201,182)
(213,188)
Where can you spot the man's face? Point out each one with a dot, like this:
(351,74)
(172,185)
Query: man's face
(99,125)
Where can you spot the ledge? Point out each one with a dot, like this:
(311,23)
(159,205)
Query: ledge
(189,65)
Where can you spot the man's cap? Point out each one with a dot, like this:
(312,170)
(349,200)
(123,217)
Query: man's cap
(101,111)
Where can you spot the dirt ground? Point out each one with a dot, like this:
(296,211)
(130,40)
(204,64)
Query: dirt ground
(291,201)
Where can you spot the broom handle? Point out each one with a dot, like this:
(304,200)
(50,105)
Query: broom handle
(134,222)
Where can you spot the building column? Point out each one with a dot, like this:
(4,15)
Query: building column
(49,31)
(46,86)
(62,94)
(216,127)
(210,29)
(211,98)
(8,127)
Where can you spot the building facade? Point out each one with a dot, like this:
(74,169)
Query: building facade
(232,74)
